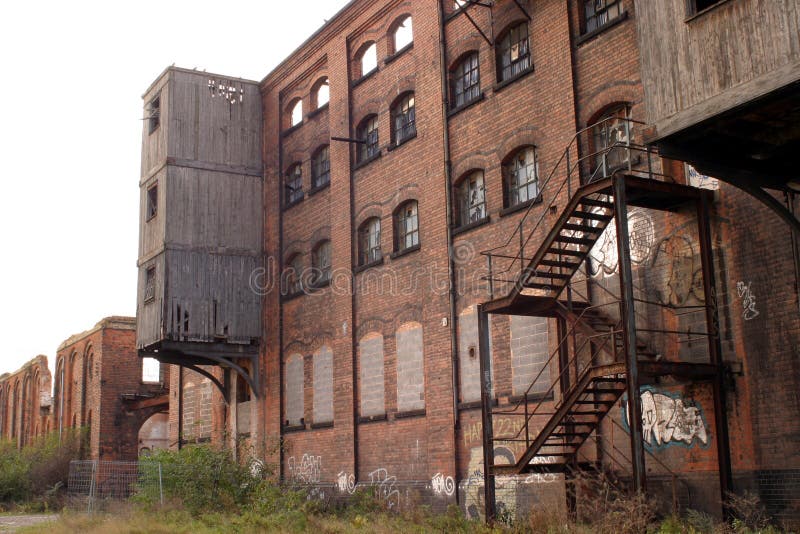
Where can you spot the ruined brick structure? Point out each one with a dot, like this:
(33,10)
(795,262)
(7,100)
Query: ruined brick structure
(389,164)
(25,402)
(99,386)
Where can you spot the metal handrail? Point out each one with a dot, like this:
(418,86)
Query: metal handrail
(523,242)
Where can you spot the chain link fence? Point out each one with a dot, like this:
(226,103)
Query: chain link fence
(93,483)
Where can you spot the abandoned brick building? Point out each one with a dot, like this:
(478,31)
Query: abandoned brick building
(25,402)
(101,385)
(445,247)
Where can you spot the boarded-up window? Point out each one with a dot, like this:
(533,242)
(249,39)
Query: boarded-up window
(410,368)
(150,284)
(294,390)
(469,356)
(323,385)
(371,359)
(529,353)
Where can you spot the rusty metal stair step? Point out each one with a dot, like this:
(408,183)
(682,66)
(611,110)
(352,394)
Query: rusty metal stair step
(575,240)
(591,215)
(565,252)
(560,276)
(607,402)
(582,228)
(595,202)
(546,287)
(565,264)
(570,434)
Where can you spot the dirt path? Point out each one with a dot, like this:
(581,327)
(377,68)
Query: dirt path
(10,523)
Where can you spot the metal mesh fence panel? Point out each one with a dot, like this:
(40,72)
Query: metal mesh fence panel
(92,482)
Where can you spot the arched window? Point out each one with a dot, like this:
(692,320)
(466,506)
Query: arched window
(513,52)
(293,275)
(458,4)
(321,263)
(403,34)
(369,241)
(406,226)
(612,135)
(296,113)
(521,176)
(321,167)
(471,201)
(321,93)
(367,131)
(465,81)
(597,13)
(368,58)
(294,184)
(403,119)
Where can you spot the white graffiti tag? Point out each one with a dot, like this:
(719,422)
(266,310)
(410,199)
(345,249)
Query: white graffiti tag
(346,483)
(443,485)
(666,420)
(748,300)
(386,487)
(307,471)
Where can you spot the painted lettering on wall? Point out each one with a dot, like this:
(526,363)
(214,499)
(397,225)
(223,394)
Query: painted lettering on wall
(443,485)
(748,300)
(346,483)
(386,487)
(305,471)
(667,419)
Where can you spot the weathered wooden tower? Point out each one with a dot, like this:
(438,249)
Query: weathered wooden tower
(200,233)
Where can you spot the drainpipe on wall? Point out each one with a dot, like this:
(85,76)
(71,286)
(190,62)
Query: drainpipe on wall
(451,271)
(278,274)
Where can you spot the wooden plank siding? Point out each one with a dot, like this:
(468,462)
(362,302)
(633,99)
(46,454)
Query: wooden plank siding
(686,60)
(206,240)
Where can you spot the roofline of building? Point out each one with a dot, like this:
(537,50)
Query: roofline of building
(173,68)
(331,26)
(40,359)
(115,322)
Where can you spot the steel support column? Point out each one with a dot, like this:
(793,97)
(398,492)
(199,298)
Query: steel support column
(485,359)
(715,351)
(629,335)
(564,386)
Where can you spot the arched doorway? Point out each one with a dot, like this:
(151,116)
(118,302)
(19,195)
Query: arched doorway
(153,434)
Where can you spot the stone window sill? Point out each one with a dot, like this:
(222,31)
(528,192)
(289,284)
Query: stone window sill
(373,263)
(399,53)
(466,105)
(371,418)
(400,253)
(588,36)
(499,86)
(317,188)
(364,78)
(367,161)
(471,226)
(521,206)
(313,113)
(410,413)
(325,424)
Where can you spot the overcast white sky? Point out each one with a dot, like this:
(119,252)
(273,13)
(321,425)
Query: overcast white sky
(71,79)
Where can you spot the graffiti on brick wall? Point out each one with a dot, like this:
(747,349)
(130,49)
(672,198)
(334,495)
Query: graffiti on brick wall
(306,471)
(541,478)
(386,487)
(443,485)
(641,231)
(505,486)
(346,483)
(700,180)
(748,301)
(668,419)
(676,265)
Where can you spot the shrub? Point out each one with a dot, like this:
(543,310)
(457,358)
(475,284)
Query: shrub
(202,478)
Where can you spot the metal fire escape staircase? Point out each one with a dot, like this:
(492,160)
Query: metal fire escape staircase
(597,342)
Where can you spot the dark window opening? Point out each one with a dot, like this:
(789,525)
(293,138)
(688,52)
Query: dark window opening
(404,119)
(154,114)
(696,6)
(513,53)
(152,202)
(150,284)
(465,84)
(598,13)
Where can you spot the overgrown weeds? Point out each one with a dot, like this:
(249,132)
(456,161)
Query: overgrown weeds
(34,478)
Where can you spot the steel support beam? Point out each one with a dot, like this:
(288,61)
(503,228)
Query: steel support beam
(485,359)
(629,335)
(715,352)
